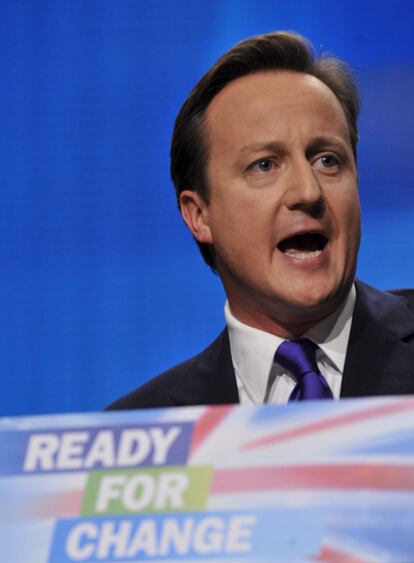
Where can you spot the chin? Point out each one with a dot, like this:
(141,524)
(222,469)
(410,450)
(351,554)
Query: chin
(316,299)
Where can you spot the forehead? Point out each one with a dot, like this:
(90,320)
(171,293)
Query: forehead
(272,104)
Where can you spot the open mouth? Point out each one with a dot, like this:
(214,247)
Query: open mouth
(303,246)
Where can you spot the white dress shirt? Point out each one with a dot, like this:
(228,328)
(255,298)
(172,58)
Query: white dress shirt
(260,380)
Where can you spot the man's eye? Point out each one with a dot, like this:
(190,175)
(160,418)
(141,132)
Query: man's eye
(263,165)
(328,160)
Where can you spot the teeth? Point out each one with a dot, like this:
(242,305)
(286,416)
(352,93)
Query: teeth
(300,255)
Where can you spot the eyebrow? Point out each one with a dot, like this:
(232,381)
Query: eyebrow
(323,142)
(259,147)
(316,144)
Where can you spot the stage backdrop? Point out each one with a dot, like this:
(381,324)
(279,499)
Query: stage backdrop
(101,285)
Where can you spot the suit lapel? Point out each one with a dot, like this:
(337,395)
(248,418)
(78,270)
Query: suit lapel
(380,358)
(210,378)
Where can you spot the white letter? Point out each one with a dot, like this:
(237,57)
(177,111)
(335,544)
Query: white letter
(209,541)
(73,548)
(102,450)
(71,450)
(133,501)
(171,487)
(144,540)
(172,538)
(162,442)
(109,489)
(129,439)
(41,449)
(110,538)
(239,530)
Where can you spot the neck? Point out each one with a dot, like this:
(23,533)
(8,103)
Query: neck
(288,327)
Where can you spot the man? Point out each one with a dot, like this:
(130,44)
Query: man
(264,164)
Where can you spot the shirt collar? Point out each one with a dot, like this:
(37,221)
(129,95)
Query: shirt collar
(253,350)
(332,334)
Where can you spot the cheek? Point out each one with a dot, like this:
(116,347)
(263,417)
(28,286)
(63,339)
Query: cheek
(354,214)
(349,219)
(242,234)
(245,216)
(346,209)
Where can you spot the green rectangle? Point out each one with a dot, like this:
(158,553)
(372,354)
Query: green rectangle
(155,489)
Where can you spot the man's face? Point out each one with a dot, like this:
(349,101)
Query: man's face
(283,215)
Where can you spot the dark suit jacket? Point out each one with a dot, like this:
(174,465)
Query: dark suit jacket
(379,361)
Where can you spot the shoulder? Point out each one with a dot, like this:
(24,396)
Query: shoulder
(380,353)
(404,295)
(373,297)
(393,310)
(183,384)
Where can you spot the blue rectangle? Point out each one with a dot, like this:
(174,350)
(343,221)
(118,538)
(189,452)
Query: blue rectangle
(94,448)
(284,535)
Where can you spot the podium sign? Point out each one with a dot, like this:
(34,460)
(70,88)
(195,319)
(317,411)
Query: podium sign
(318,481)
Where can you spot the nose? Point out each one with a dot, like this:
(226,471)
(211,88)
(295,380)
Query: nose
(303,190)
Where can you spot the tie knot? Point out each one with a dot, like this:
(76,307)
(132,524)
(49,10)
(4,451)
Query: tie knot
(298,357)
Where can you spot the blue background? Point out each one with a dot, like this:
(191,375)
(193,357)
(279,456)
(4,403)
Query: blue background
(102,287)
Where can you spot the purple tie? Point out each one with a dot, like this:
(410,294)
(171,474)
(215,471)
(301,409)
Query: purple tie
(298,357)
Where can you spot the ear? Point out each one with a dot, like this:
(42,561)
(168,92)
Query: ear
(194,211)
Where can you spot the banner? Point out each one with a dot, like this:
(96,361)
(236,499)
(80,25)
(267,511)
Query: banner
(318,481)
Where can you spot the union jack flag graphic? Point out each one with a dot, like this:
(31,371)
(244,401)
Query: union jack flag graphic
(353,460)
(319,481)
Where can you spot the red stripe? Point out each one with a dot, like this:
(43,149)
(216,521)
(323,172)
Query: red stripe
(343,477)
(65,504)
(330,555)
(353,417)
(208,421)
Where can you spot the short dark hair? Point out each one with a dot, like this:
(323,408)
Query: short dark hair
(280,50)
